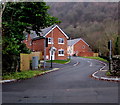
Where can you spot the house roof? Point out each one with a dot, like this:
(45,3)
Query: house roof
(44,32)
(38,38)
(74,41)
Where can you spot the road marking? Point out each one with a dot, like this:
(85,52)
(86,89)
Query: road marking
(90,64)
(103,66)
(76,64)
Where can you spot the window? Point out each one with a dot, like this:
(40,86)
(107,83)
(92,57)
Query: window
(50,40)
(61,52)
(60,40)
(83,47)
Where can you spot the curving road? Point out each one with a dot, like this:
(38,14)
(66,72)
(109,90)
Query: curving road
(70,84)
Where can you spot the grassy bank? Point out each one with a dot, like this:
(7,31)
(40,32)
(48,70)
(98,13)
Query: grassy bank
(59,61)
(29,73)
(22,75)
(97,58)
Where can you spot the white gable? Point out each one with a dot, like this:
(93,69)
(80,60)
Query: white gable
(54,28)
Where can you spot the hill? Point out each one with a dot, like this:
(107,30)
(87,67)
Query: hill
(95,22)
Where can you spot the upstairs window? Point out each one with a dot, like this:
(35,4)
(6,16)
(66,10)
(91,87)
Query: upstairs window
(83,47)
(50,40)
(60,40)
(61,52)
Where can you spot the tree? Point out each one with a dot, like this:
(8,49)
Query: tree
(98,22)
(19,17)
(117,46)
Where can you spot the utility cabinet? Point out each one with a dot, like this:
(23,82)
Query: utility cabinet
(34,62)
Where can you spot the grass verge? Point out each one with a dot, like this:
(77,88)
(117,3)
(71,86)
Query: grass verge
(59,61)
(108,73)
(97,58)
(22,75)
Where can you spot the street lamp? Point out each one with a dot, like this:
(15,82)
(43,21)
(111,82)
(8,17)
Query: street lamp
(44,52)
(45,45)
(51,50)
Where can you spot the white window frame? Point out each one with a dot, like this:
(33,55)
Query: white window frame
(60,54)
(60,40)
(51,42)
(83,47)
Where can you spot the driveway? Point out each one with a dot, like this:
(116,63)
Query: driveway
(70,84)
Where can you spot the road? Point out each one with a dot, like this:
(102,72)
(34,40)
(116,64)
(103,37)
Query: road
(70,84)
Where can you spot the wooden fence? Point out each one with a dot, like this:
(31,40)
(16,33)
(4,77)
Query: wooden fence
(26,58)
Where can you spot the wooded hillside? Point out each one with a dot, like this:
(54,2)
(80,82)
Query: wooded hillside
(96,23)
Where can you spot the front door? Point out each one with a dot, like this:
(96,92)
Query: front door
(52,55)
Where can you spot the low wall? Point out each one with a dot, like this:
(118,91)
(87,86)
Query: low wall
(85,54)
(116,65)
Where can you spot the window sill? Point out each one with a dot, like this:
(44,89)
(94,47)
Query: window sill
(60,55)
(50,43)
(60,43)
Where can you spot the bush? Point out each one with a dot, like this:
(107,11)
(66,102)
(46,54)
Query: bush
(116,66)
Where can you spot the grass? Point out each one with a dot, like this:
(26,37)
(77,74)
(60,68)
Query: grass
(29,73)
(97,58)
(59,61)
(22,75)
(108,73)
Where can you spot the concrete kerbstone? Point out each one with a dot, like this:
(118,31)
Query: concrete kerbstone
(104,78)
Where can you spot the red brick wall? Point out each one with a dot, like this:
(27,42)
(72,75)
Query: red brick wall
(85,54)
(38,45)
(82,49)
(28,42)
(57,34)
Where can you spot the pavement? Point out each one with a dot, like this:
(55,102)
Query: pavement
(101,73)
(70,84)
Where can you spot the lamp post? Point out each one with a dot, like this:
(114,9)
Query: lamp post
(51,50)
(44,52)
(51,58)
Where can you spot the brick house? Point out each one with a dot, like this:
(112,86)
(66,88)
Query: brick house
(57,42)
(79,47)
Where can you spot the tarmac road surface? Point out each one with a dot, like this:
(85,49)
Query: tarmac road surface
(70,84)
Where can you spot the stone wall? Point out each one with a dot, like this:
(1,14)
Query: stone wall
(116,65)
